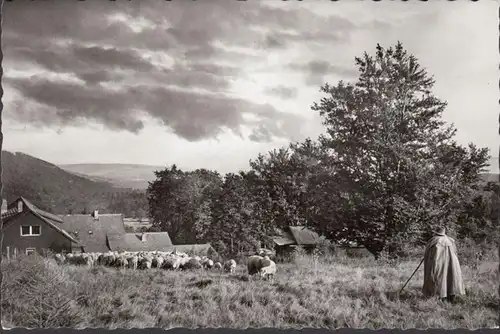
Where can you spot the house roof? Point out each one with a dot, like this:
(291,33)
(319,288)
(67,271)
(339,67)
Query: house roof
(284,238)
(93,233)
(304,236)
(155,241)
(50,219)
(296,235)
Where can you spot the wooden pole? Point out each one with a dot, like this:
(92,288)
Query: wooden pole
(8,253)
(412,275)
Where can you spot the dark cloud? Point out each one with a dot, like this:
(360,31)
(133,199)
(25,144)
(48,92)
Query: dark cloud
(273,41)
(316,71)
(102,44)
(283,92)
(111,58)
(193,116)
(282,40)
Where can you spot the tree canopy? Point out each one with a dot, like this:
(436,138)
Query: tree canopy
(385,173)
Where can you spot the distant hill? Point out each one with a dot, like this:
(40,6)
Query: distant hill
(120,175)
(56,190)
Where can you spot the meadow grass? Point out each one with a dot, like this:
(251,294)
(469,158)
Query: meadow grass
(310,292)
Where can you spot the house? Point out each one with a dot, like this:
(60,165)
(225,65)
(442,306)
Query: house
(143,242)
(94,230)
(286,240)
(28,229)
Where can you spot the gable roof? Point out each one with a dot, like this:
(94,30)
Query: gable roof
(304,236)
(296,235)
(155,241)
(50,219)
(93,233)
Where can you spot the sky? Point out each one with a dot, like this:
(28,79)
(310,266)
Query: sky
(211,84)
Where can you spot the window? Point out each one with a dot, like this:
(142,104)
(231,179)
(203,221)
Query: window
(31,230)
(30,251)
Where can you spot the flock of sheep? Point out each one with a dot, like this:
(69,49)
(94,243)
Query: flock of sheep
(256,264)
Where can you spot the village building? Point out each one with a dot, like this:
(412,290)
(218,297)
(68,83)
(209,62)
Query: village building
(286,241)
(28,229)
(94,230)
(141,242)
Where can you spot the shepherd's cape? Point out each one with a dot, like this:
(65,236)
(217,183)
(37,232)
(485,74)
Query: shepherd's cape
(442,274)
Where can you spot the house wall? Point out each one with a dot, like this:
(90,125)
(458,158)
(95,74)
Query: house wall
(49,238)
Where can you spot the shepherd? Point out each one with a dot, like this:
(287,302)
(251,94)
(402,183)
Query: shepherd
(442,273)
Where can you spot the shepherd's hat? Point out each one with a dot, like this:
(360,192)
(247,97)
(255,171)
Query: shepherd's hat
(440,231)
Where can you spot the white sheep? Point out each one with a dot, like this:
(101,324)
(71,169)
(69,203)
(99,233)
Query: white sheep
(269,270)
(230,266)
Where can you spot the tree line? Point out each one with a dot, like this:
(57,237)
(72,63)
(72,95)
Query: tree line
(384,174)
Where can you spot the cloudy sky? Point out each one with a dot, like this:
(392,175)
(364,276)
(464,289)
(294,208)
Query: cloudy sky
(213,83)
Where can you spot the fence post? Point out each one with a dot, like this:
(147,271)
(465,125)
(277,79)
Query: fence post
(15,253)
(8,253)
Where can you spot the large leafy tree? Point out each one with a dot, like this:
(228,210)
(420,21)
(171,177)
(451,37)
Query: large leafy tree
(292,177)
(239,214)
(179,203)
(397,169)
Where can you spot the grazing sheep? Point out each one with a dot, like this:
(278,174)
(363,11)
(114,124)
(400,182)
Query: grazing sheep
(145,263)
(230,266)
(68,257)
(111,259)
(192,263)
(183,262)
(107,259)
(158,261)
(172,262)
(133,262)
(255,263)
(269,268)
(208,264)
(87,260)
(217,266)
(121,262)
(59,259)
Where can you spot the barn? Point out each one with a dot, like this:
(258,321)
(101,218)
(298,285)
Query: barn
(28,229)
(288,239)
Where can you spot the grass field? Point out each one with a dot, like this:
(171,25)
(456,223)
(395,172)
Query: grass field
(310,292)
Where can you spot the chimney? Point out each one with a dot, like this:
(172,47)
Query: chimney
(96,215)
(20,206)
(143,237)
(4,205)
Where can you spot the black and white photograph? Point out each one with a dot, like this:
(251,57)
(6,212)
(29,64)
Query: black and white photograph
(250,164)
